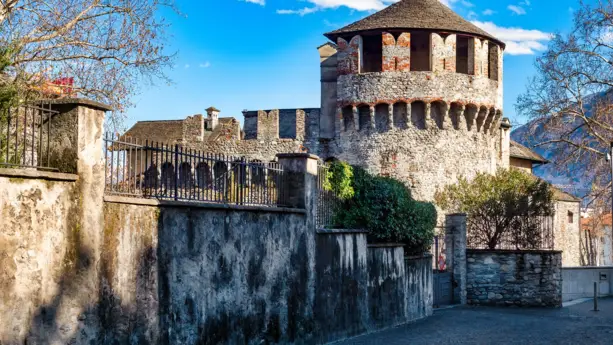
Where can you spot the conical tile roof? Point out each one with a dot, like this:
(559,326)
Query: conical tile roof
(415,15)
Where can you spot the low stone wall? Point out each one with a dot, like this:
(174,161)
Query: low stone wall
(419,287)
(578,282)
(387,286)
(204,274)
(514,278)
(341,276)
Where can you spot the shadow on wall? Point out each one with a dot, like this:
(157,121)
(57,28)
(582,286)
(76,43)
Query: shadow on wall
(105,320)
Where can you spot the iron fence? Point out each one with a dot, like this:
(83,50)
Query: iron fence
(327,201)
(153,170)
(25,137)
(524,233)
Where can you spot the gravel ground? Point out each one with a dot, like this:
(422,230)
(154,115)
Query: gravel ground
(576,324)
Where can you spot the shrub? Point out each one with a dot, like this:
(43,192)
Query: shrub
(384,207)
(505,205)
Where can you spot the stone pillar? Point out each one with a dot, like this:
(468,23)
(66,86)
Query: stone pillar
(373,125)
(505,143)
(428,122)
(356,119)
(301,170)
(462,118)
(455,244)
(340,123)
(409,115)
(84,129)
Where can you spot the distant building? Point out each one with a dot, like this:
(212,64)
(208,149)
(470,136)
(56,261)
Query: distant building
(567,218)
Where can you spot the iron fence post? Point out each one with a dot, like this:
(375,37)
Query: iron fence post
(176,170)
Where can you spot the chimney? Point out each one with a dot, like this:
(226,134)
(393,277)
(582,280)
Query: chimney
(213,115)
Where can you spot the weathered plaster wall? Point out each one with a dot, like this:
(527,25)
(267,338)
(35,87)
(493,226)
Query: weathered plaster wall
(578,282)
(44,266)
(514,278)
(566,234)
(129,274)
(341,268)
(234,276)
(419,287)
(387,286)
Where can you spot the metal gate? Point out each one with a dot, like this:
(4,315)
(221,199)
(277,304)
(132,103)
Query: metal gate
(443,289)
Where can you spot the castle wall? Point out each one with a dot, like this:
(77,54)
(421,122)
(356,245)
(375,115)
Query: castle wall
(371,88)
(424,159)
(303,123)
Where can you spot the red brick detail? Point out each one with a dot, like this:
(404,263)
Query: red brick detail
(355,45)
(403,63)
(389,60)
(343,57)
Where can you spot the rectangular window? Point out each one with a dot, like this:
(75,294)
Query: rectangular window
(571,217)
(493,61)
(372,54)
(461,60)
(421,51)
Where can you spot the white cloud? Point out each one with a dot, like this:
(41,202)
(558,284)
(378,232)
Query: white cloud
(517,10)
(186,66)
(205,65)
(360,5)
(258,2)
(302,12)
(488,12)
(519,41)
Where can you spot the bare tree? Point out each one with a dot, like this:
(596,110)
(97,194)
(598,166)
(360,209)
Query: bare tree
(99,49)
(570,99)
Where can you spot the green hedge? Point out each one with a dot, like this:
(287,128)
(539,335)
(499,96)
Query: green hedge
(383,206)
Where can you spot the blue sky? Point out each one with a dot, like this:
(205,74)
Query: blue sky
(261,54)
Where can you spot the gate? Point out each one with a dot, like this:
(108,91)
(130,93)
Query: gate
(443,289)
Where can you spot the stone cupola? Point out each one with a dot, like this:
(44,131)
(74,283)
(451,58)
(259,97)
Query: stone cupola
(213,116)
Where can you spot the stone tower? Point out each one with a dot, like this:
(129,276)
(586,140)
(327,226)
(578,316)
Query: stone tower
(415,92)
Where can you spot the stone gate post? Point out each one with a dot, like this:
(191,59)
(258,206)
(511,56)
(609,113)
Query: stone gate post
(455,244)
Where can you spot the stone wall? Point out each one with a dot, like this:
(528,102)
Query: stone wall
(391,87)
(423,159)
(364,288)
(514,278)
(566,233)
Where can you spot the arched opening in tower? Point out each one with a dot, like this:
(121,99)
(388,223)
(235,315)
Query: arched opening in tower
(437,113)
(455,113)
(372,54)
(418,114)
(421,52)
(483,111)
(400,115)
(348,118)
(364,116)
(461,57)
(381,117)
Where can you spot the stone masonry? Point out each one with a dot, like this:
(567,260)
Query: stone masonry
(514,278)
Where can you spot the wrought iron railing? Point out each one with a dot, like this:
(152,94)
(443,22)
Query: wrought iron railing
(25,137)
(534,232)
(153,170)
(327,200)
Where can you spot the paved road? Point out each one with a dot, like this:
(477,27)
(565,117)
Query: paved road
(481,325)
